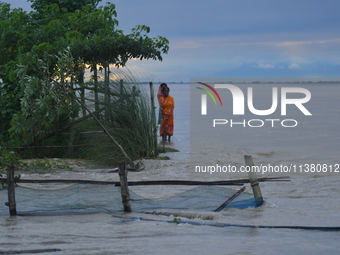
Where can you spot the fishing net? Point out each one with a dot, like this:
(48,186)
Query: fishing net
(107,198)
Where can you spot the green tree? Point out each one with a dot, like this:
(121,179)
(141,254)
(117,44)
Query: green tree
(44,106)
(33,42)
(70,5)
(13,41)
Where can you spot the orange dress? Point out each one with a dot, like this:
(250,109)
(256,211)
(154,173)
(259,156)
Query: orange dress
(167,106)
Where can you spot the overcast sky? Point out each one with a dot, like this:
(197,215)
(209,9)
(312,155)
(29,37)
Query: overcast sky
(236,38)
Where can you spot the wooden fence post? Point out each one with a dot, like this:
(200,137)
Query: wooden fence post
(11,190)
(154,119)
(253,180)
(121,86)
(124,188)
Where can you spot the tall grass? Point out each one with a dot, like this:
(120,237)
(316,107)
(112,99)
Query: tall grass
(129,118)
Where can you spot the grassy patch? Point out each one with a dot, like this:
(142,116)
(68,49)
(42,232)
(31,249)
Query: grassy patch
(166,149)
(163,158)
(45,164)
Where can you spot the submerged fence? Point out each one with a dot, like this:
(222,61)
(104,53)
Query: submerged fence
(124,184)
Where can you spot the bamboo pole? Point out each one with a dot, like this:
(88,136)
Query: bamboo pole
(230,199)
(154,121)
(107,98)
(253,180)
(146,183)
(82,89)
(121,87)
(124,187)
(29,251)
(11,190)
(96,96)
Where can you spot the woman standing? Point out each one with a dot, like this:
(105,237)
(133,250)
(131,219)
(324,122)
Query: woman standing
(159,95)
(167,105)
(160,89)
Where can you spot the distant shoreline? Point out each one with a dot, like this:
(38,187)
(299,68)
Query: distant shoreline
(256,81)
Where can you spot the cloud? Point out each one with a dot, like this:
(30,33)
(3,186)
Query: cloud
(294,66)
(266,66)
(227,39)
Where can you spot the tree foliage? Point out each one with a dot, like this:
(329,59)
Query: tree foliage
(30,46)
(69,5)
(44,105)
(13,39)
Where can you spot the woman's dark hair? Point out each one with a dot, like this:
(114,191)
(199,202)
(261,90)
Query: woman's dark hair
(164,88)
